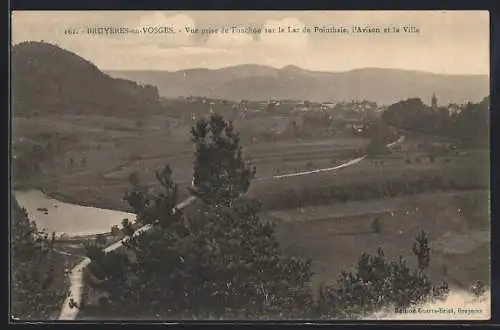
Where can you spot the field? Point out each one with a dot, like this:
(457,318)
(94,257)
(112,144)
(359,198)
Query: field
(94,168)
(334,236)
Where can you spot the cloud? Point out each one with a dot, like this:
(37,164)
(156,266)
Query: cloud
(458,41)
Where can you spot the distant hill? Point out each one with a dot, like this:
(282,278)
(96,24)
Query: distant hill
(47,78)
(257,82)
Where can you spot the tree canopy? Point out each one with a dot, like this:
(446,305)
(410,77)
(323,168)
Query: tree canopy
(220,173)
(413,115)
(34,267)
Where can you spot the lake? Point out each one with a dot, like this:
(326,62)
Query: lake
(70,219)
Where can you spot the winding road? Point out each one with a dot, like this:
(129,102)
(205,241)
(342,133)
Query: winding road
(70,308)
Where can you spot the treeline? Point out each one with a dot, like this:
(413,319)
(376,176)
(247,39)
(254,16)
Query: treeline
(469,121)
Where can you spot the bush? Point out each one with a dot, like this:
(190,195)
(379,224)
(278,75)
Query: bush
(478,289)
(115,230)
(377,283)
(376,225)
(377,148)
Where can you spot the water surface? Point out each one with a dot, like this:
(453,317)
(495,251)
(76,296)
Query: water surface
(70,219)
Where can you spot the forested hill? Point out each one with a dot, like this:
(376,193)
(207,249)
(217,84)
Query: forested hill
(47,79)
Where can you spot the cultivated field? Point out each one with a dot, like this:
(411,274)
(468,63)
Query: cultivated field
(95,166)
(334,236)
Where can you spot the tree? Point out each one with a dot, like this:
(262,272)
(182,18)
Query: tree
(478,289)
(407,114)
(224,262)
(156,208)
(422,251)
(377,147)
(134,178)
(413,115)
(215,261)
(100,239)
(115,230)
(375,284)
(220,173)
(33,269)
(376,225)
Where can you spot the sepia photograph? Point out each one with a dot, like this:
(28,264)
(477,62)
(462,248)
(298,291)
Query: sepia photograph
(249,165)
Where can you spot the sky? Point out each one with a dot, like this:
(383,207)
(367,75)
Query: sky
(450,42)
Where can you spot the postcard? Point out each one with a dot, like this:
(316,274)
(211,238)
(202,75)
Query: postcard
(250,165)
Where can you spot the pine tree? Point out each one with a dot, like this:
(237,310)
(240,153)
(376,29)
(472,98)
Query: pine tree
(220,173)
(421,249)
(378,283)
(227,266)
(219,261)
(33,269)
(376,225)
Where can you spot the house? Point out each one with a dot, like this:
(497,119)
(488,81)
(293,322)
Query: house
(327,106)
(301,108)
(454,109)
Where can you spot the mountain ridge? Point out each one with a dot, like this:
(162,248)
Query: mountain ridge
(257,82)
(292,66)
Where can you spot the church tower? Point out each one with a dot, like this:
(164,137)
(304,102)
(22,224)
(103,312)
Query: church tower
(434,101)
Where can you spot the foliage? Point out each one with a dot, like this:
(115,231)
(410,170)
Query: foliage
(376,225)
(478,289)
(421,250)
(115,230)
(413,115)
(220,173)
(223,262)
(87,90)
(33,269)
(377,283)
(134,178)
(376,147)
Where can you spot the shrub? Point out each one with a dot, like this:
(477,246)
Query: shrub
(376,225)
(377,283)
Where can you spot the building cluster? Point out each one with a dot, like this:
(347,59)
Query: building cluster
(452,108)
